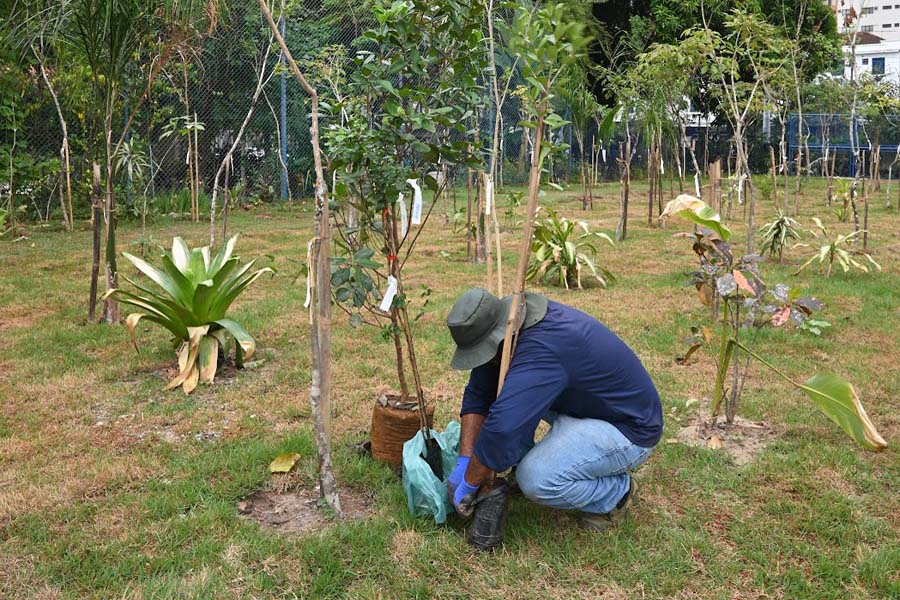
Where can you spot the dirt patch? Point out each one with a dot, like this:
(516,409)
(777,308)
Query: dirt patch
(299,511)
(742,440)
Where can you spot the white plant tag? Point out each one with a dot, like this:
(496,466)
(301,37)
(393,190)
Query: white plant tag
(402,216)
(389,294)
(488,195)
(417,202)
(697,183)
(309,274)
(603,151)
(662,167)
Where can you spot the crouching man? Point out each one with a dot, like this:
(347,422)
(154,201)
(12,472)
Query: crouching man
(569,370)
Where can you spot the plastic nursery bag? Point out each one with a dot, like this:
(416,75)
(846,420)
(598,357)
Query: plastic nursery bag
(426,495)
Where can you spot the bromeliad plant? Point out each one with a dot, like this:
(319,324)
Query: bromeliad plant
(836,250)
(748,304)
(774,235)
(194,294)
(559,252)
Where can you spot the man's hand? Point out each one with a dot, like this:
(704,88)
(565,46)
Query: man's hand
(462,463)
(464,497)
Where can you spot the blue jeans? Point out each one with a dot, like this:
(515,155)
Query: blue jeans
(580,464)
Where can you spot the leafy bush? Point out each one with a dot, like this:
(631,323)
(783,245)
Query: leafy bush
(559,253)
(837,250)
(775,235)
(195,293)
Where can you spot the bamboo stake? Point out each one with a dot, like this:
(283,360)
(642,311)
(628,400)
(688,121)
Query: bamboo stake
(320,388)
(518,290)
(96,216)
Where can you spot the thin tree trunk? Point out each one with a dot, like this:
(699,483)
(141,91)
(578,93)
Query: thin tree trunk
(320,388)
(774,178)
(110,306)
(96,218)
(223,166)
(197,171)
(64,150)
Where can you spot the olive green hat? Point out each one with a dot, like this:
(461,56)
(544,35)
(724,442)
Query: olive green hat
(477,323)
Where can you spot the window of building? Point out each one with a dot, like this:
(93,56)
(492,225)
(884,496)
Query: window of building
(878,66)
(887,7)
(887,25)
(868,10)
(867,28)
(865,61)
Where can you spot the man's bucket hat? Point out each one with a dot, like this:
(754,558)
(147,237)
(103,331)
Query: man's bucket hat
(477,323)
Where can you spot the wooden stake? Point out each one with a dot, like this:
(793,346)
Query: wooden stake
(96,218)
(518,290)
(320,387)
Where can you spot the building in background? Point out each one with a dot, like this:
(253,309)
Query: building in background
(878,38)
(878,17)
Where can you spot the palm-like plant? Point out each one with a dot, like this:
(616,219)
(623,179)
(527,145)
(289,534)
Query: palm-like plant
(837,250)
(195,293)
(774,236)
(559,253)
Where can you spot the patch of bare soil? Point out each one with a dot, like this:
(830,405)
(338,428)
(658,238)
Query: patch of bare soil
(299,511)
(742,440)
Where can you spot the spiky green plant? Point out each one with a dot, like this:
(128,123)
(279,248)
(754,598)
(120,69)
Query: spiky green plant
(195,292)
(836,250)
(559,253)
(774,235)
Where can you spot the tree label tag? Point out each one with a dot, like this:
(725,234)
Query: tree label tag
(417,202)
(389,294)
(603,152)
(662,167)
(488,194)
(697,183)
(309,274)
(402,215)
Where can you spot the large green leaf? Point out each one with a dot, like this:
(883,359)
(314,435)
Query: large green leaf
(223,255)
(247,343)
(838,400)
(160,278)
(697,211)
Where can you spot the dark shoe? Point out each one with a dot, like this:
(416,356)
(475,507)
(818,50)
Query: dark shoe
(602,522)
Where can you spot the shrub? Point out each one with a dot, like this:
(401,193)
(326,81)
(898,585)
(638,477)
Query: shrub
(559,253)
(194,294)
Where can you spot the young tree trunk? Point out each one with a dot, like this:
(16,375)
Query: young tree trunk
(774,177)
(622,229)
(96,218)
(197,171)
(224,165)
(65,179)
(320,388)
(110,306)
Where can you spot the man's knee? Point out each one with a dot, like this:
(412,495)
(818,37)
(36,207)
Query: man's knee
(535,480)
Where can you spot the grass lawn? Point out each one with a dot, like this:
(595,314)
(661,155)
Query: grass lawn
(112,488)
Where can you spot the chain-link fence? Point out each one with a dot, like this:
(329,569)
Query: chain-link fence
(201,102)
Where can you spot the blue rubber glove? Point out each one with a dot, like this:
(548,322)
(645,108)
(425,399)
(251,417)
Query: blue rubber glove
(463,498)
(459,472)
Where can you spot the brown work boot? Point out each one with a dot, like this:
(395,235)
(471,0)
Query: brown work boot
(602,522)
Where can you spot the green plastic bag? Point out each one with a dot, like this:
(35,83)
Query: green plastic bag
(426,495)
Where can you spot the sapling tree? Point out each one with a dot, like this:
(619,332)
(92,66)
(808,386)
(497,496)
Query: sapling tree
(406,108)
(748,305)
(750,43)
(320,291)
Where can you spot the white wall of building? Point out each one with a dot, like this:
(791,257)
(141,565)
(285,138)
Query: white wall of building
(875,59)
(880,17)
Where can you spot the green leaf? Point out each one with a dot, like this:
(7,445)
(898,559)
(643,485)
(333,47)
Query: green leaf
(244,340)
(835,397)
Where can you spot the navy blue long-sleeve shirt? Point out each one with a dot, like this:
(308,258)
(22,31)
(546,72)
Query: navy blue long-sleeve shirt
(571,364)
